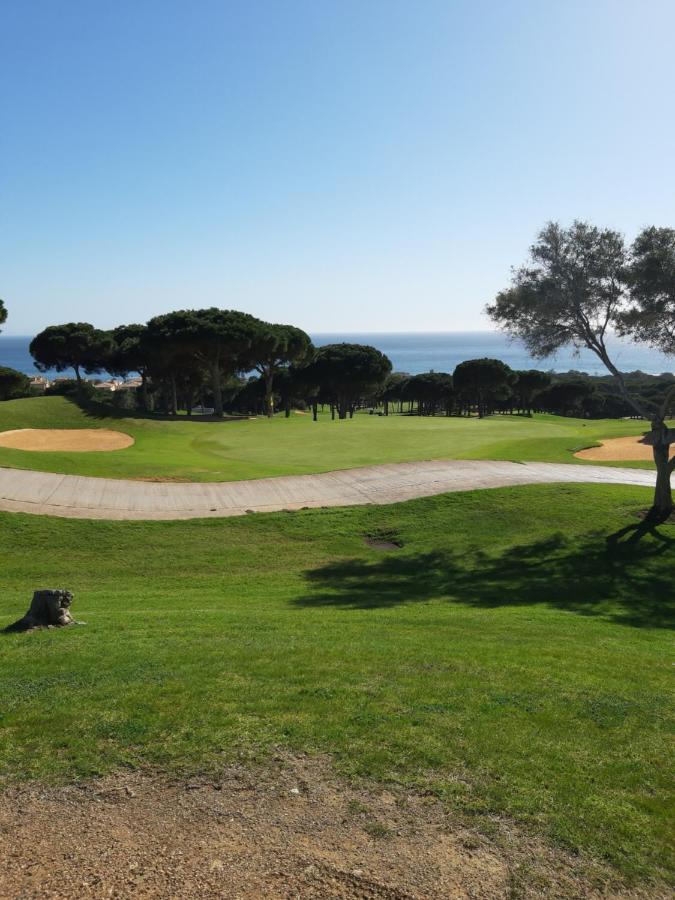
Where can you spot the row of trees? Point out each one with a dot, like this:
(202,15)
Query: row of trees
(477,385)
(186,354)
(182,357)
(181,350)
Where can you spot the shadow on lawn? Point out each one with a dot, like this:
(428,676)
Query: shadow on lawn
(100,411)
(623,577)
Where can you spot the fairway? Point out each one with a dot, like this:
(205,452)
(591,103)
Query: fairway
(182,450)
(506,657)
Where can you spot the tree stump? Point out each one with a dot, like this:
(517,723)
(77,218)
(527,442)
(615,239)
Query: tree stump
(48,609)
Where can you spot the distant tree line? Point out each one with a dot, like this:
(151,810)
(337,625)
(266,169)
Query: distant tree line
(237,364)
(206,357)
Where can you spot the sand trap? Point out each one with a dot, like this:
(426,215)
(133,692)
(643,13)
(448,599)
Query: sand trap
(74,440)
(618,449)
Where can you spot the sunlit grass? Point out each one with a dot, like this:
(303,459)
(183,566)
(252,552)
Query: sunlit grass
(230,450)
(506,657)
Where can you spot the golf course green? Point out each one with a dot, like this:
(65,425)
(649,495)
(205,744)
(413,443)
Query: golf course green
(178,449)
(506,650)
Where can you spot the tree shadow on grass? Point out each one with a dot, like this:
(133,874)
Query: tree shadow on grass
(100,411)
(624,577)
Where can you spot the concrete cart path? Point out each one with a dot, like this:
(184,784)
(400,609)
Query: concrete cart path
(74,496)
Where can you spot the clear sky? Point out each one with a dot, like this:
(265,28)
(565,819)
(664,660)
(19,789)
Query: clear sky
(349,165)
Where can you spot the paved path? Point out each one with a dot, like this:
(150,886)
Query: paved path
(47,494)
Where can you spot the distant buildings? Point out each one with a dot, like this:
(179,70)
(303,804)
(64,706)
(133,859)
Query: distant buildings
(39,383)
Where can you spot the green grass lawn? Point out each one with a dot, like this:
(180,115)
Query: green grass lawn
(230,450)
(506,657)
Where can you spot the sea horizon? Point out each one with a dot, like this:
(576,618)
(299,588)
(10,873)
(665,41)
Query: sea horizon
(414,352)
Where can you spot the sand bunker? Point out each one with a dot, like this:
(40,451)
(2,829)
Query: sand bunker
(73,440)
(614,449)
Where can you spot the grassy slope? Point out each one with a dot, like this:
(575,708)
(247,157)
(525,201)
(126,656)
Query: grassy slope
(504,657)
(223,451)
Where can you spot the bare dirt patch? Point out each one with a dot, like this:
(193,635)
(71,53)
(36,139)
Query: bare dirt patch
(73,440)
(383,539)
(616,449)
(289,830)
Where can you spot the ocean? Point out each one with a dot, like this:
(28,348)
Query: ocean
(415,352)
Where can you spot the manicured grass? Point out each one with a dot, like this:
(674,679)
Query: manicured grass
(507,657)
(231,450)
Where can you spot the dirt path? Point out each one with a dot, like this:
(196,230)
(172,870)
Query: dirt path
(290,830)
(47,494)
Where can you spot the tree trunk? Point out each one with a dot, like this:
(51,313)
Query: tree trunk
(144,391)
(315,412)
(663,495)
(47,609)
(217,389)
(174,396)
(269,398)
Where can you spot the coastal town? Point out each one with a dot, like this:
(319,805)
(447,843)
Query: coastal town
(39,384)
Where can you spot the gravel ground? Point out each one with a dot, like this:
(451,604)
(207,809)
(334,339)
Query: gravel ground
(291,829)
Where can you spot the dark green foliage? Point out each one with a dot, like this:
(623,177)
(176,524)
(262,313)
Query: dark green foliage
(75,345)
(431,391)
(567,398)
(651,278)
(528,385)
(482,384)
(199,346)
(128,354)
(347,374)
(68,387)
(13,384)
(3,313)
(274,349)
(570,292)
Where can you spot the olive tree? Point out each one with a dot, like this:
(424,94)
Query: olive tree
(576,289)
(650,317)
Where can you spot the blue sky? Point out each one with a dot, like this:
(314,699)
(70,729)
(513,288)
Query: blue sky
(344,166)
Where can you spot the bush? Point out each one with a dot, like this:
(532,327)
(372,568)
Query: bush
(13,384)
(68,387)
